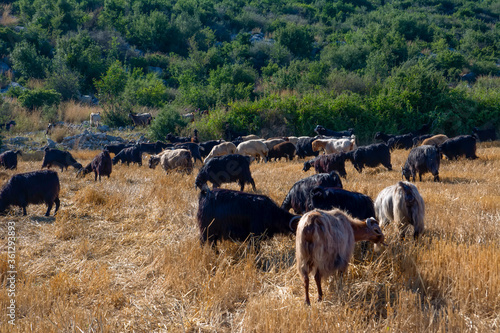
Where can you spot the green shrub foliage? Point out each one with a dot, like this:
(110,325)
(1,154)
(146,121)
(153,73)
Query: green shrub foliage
(264,66)
(33,99)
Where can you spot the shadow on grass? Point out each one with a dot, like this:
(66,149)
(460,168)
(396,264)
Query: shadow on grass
(42,219)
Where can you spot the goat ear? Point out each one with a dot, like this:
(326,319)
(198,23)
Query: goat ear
(371,222)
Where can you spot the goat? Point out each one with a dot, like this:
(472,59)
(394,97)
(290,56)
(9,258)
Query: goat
(332,146)
(194,148)
(116,148)
(59,158)
(8,125)
(328,163)
(487,134)
(140,118)
(224,148)
(285,149)
(403,204)
(325,244)
(226,169)
(207,147)
(299,194)
(435,140)
(417,140)
(422,159)
(176,139)
(304,147)
(129,155)
(173,159)
(253,148)
(458,146)
(95,119)
(31,188)
(370,156)
(101,165)
(8,159)
(357,204)
(228,214)
(326,132)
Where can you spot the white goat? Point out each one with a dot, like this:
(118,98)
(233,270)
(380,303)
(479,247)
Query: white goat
(95,119)
(403,204)
(253,148)
(224,148)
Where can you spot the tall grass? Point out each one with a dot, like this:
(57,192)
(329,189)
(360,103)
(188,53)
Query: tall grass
(36,120)
(124,255)
(74,112)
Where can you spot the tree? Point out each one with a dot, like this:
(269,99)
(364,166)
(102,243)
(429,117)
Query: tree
(28,61)
(109,92)
(298,39)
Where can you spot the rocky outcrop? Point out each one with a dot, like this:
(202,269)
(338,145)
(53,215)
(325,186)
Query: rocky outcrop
(90,140)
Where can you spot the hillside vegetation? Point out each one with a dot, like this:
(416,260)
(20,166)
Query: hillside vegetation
(124,255)
(274,68)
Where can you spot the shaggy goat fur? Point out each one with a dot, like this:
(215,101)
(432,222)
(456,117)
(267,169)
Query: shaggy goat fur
(403,204)
(325,243)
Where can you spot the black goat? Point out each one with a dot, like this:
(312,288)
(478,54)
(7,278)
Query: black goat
(7,125)
(129,155)
(8,159)
(304,147)
(31,188)
(152,148)
(328,163)
(404,141)
(299,195)
(194,148)
(226,169)
(227,214)
(463,145)
(101,165)
(324,131)
(370,156)
(62,159)
(177,139)
(482,135)
(116,148)
(356,204)
(422,159)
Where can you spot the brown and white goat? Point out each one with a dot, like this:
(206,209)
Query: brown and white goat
(325,243)
(333,146)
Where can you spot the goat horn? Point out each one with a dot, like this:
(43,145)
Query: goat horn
(292,220)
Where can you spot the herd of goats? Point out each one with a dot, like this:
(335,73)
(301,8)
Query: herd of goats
(327,219)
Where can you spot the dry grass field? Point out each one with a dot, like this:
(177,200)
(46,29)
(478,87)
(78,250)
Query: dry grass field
(123,256)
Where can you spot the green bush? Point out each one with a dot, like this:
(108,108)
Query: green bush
(167,121)
(298,39)
(14,92)
(33,99)
(65,82)
(115,116)
(27,60)
(145,90)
